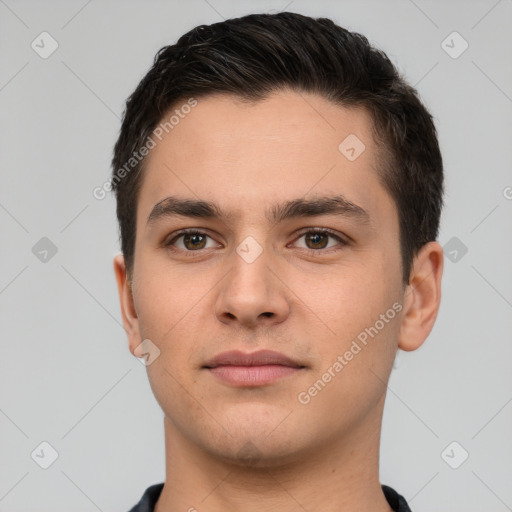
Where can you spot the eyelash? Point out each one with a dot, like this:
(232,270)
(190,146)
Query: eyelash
(191,231)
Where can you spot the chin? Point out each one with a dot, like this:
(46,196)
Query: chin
(254,455)
(262,443)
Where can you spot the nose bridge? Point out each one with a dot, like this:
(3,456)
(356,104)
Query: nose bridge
(250,266)
(250,291)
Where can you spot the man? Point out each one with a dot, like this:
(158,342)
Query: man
(279,190)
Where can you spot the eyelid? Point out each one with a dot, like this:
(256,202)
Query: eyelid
(333,233)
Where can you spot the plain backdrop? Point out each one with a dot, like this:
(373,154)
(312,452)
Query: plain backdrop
(67,377)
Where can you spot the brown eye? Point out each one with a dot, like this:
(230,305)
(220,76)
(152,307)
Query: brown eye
(316,240)
(189,241)
(194,241)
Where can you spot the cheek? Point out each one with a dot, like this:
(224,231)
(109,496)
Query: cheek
(345,301)
(166,313)
(361,315)
(162,299)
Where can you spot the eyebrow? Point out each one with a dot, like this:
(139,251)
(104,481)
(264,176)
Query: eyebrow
(329,205)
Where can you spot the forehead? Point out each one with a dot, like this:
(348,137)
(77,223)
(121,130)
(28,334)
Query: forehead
(247,155)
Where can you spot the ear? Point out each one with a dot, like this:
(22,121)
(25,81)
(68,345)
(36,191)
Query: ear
(422,297)
(130,320)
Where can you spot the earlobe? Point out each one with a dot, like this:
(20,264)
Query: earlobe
(128,312)
(422,297)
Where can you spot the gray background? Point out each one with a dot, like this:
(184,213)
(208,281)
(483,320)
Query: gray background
(66,374)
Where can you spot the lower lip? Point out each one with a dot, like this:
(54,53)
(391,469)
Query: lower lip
(252,375)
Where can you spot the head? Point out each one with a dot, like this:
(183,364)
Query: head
(238,118)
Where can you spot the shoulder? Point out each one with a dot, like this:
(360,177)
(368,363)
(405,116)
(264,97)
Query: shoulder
(149,498)
(396,501)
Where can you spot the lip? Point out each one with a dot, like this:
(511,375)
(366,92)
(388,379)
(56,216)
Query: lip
(252,369)
(259,358)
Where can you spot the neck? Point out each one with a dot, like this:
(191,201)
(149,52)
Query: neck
(330,478)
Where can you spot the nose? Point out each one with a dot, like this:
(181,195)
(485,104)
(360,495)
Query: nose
(252,293)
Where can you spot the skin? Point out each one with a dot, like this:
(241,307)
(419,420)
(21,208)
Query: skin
(230,448)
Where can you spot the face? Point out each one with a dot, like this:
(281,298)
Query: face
(318,282)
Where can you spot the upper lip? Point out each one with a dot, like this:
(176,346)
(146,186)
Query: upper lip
(259,358)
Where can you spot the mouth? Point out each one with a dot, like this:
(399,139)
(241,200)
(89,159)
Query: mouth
(255,369)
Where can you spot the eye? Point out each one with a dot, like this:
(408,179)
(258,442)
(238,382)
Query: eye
(317,239)
(192,240)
